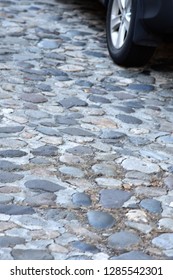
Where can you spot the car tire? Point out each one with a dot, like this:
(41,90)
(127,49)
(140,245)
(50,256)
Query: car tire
(120,28)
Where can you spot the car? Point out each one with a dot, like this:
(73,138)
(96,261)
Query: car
(135,28)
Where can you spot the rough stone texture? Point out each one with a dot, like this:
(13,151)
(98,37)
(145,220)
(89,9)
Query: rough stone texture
(86,158)
(100,220)
(30,254)
(133,255)
(81,199)
(164,241)
(123,240)
(43,185)
(114,198)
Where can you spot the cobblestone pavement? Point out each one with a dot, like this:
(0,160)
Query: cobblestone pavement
(86,158)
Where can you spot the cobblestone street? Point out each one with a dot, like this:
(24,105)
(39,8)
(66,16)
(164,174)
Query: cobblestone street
(86,147)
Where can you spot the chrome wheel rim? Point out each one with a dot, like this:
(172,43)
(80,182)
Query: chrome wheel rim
(120,21)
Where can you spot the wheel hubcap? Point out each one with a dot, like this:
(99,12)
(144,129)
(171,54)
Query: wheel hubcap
(120,21)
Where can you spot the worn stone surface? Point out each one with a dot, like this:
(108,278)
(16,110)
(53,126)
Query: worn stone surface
(86,158)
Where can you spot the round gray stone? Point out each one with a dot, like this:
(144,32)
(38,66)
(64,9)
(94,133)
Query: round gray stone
(123,240)
(100,220)
(81,199)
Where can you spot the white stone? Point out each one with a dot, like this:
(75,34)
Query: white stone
(141,165)
(137,216)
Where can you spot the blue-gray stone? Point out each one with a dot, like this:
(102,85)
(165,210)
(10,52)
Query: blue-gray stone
(128,119)
(77,132)
(9,177)
(11,129)
(151,205)
(12,153)
(48,131)
(43,185)
(100,220)
(123,240)
(99,99)
(164,241)
(72,102)
(135,104)
(13,209)
(141,87)
(68,120)
(81,199)
(47,151)
(31,254)
(9,166)
(133,255)
(80,150)
(85,247)
(111,134)
(114,198)
(10,241)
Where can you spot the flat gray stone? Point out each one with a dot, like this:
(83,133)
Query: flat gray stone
(72,171)
(48,131)
(141,87)
(99,99)
(9,177)
(100,220)
(6,165)
(151,205)
(46,151)
(10,241)
(74,131)
(5,198)
(11,129)
(80,150)
(164,241)
(34,98)
(109,170)
(43,185)
(69,120)
(114,198)
(31,254)
(169,182)
(133,255)
(41,199)
(72,102)
(13,209)
(85,247)
(111,134)
(141,165)
(12,153)
(123,240)
(128,119)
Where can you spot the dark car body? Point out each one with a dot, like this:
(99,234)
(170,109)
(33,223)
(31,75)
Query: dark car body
(154,20)
(135,28)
